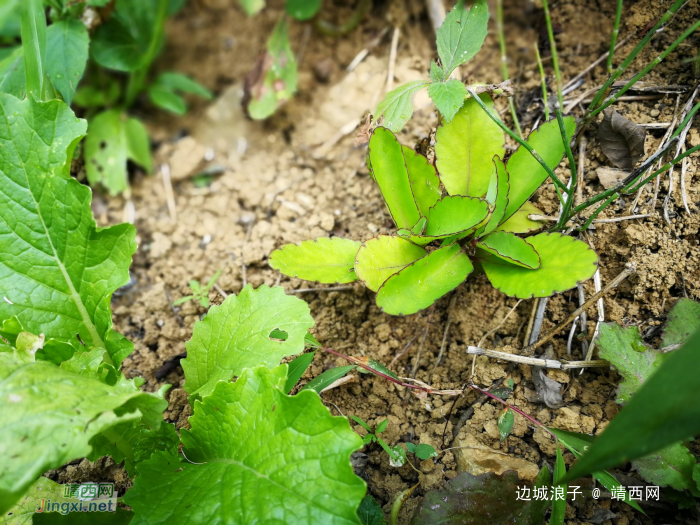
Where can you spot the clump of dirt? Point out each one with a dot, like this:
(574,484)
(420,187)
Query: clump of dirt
(300,176)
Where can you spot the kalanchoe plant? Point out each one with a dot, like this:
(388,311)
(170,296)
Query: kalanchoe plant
(441,239)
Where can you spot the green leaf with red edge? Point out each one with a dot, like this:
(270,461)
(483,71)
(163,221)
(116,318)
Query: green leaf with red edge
(500,185)
(424,180)
(565,263)
(526,173)
(510,248)
(326,260)
(456,214)
(388,167)
(465,147)
(381,257)
(423,282)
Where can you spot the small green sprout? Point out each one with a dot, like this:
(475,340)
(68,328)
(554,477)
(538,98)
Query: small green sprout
(397,454)
(199,293)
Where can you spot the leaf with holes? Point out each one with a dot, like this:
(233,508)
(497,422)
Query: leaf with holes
(397,106)
(461,35)
(423,282)
(326,260)
(526,174)
(465,147)
(255,455)
(456,214)
(113,138)
(565,262)
(57,270)
(448,97)
(425,183)
(236,335)
(56,411)
(381,257)
(388,165)
(510,248)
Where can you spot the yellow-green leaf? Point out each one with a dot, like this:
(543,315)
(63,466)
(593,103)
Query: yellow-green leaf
(510,248)
(326,260)
(380,258)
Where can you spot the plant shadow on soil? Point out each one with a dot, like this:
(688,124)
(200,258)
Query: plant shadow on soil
(284,181)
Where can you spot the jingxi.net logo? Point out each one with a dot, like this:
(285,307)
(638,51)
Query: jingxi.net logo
(88,497)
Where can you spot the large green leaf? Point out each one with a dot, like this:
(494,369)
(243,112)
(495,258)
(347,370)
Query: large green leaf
(510,248)
(419,285)
(526,174)
(671,466)
(397,106)
(465,147)
(683,320)
(49,415)
(425,183)
(500,185)
(456,214)
(448,97)
(565,263)
(326,260)
(66,55)
(255,455)
(626,351)
(113,138)
(662,412)
(236,335)
(278,79)
(388,167)
(57,270)
(381,257)
(520,221)
(461,35)
(12,79)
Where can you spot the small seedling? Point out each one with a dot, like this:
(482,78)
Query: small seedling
(199,293)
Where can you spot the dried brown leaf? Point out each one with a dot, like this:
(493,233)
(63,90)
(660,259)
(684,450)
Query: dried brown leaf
(621,140)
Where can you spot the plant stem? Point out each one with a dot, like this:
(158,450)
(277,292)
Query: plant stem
(572,166)
(137,78)
(553,49)
(544,82)
(605,88)
(504,63)
(644,71)
(615,32)
(519,140)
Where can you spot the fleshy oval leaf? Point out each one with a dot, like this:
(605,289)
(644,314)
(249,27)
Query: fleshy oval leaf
(424,181)
(565,263)
(500,201)
(381,257)
(326,260)
(422,283)
(388,167)
(464,148)
(455,214)
(520,221)
(510,248)
(526,174)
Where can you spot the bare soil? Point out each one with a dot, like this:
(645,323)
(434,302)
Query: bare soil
(296,176)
